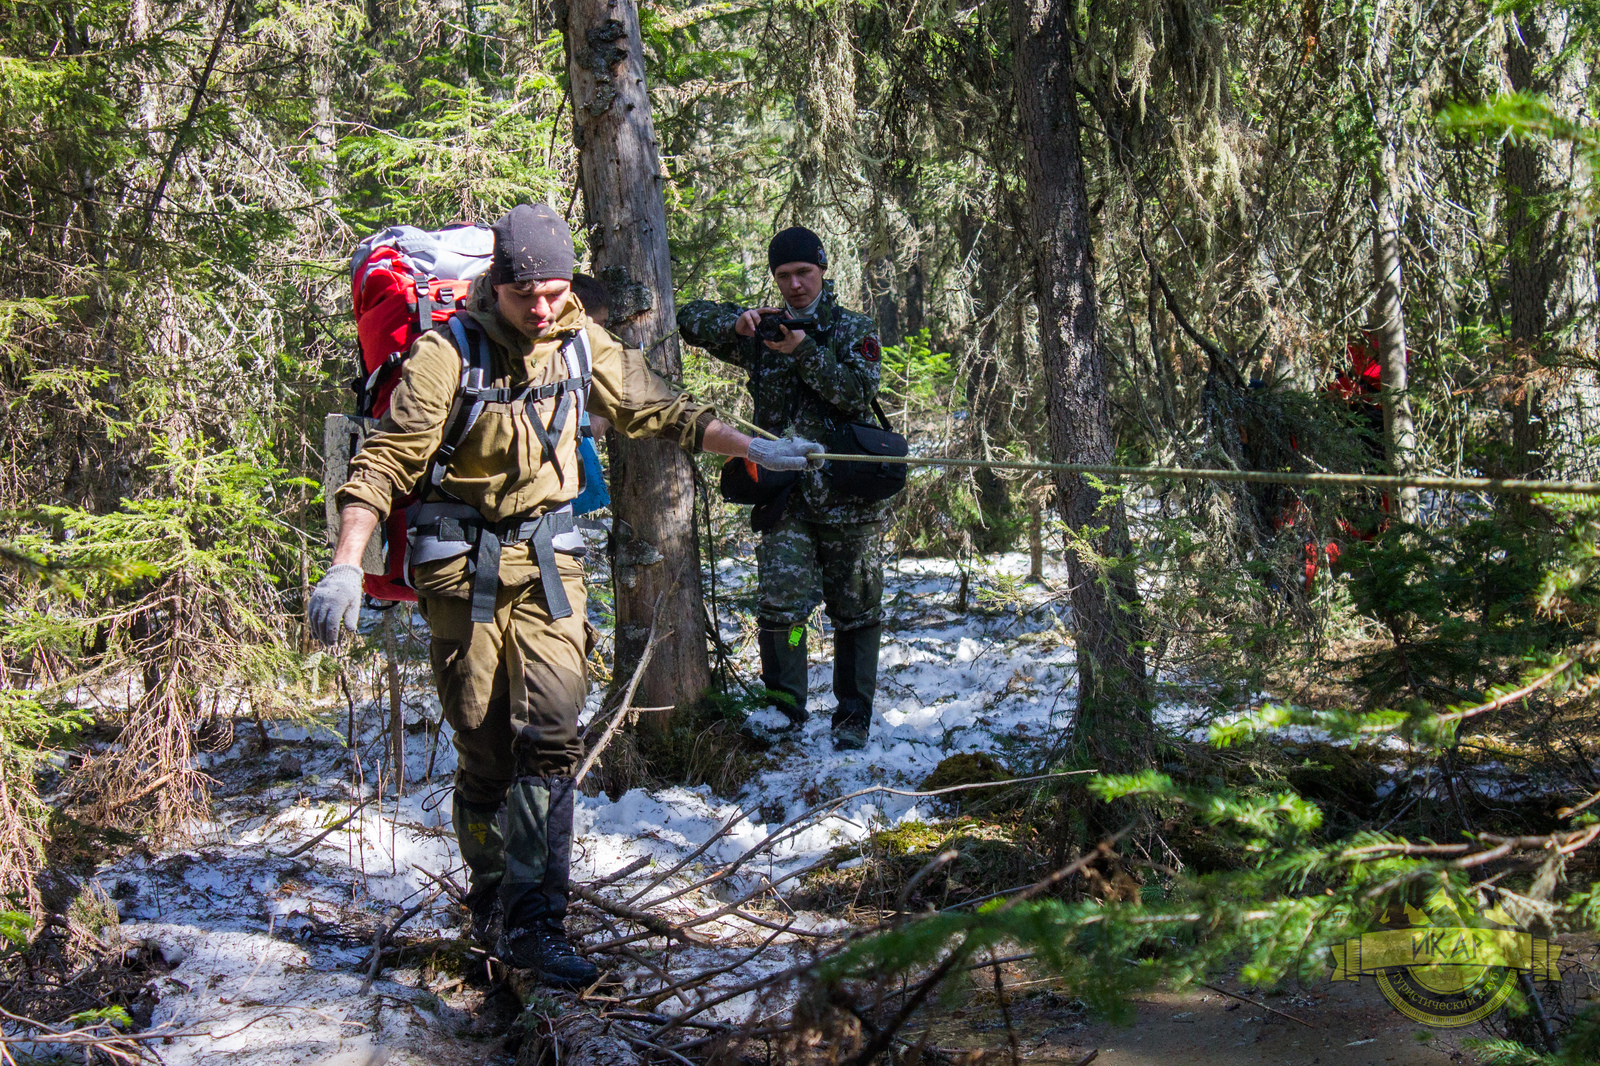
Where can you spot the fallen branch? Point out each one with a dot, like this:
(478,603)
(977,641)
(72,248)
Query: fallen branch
(372,968)
(698,979)
(722,912)
(584,1038)
(632,868)
(665,978)
(1263,1006)
(627,699)
(444,882)
(733,820)
(377,944)
(335,827)
(750,986)
(657,925)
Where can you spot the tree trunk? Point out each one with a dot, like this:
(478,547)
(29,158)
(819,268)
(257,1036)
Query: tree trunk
(1549,273)
(1388,309)
(655,551)
(877,285)
(1113,722)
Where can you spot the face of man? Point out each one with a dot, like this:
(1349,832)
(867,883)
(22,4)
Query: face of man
(799,283)
(531,306)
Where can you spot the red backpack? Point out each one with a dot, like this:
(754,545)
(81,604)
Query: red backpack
(403,281)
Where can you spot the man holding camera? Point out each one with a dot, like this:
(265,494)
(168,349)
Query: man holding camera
(813,369)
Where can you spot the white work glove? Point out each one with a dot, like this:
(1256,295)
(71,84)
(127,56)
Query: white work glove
(787,454)
(337,596)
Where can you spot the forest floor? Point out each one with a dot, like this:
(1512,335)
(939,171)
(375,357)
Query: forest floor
(258,933)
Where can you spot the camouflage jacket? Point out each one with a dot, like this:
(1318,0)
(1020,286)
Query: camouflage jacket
(827,382)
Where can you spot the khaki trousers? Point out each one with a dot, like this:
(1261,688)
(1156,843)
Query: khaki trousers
(511,689)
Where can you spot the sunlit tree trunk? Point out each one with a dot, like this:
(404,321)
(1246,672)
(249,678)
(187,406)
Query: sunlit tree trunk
(652,486)
(1549,269)
(1113,718)
(1388,309)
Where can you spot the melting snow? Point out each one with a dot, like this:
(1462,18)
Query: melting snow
(267,937)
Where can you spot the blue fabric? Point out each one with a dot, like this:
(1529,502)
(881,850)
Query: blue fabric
(594,495)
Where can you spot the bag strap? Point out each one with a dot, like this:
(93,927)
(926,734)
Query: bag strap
(574,354)
(470,397)
(473,393)
(883,419)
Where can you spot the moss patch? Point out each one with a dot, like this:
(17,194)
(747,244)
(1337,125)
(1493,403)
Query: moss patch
(990,858)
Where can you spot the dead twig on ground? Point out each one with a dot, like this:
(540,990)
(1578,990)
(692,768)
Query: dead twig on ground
(657,925)
(621,714)
(388,934)
(335,827)
(1262,1006)
(627,871)
(700,978)
(732,821)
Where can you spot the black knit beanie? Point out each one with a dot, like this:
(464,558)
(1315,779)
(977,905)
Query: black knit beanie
(531,244)
(796,245)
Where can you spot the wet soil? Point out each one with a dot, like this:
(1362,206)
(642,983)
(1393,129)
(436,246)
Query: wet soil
(1320,1024)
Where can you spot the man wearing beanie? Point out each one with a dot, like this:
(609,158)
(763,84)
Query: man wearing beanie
(821,375)
(496,563)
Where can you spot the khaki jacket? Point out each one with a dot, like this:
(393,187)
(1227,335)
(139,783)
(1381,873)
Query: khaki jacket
(498,467)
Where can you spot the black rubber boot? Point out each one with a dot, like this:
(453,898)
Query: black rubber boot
(480,834)
(783,668)
(855,682)
(537,881)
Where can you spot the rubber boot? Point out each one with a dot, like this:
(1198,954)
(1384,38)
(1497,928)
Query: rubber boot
(855,682)
(783,669)
(534,890)
(480,834)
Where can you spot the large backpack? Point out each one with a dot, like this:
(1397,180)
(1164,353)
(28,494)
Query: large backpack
(403,282)
(398,294)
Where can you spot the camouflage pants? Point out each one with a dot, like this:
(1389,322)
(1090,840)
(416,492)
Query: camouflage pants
(800,563)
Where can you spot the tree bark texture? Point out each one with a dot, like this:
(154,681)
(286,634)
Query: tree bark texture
(655,554)
(1113,717)
(1550,274)
(1388,307)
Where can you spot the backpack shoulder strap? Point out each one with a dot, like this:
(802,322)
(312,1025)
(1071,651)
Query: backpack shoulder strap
(472,344)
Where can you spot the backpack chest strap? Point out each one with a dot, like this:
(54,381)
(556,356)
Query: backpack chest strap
(474,393)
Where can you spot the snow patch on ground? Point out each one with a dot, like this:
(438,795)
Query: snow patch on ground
(268,934)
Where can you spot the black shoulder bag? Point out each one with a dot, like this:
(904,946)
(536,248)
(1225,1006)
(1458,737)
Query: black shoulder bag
(868,480)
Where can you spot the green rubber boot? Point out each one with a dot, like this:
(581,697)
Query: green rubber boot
(855,682)
(480,835)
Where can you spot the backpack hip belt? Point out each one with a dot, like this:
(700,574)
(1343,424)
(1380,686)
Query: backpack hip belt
(442,530)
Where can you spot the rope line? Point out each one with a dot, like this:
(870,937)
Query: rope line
(1504,486)
(1508,486)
